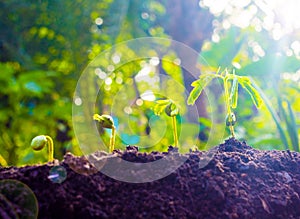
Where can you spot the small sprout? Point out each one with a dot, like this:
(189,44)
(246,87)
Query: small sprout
(231,95)
(172,110)
(40,141)
(106,121)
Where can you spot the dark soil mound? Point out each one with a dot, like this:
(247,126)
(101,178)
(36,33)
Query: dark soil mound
(238,182)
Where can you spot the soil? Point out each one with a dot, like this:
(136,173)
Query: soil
(238,182)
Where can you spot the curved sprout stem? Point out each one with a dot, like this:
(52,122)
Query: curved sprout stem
(50,148)
(106,121)
(112,139)
(174,122)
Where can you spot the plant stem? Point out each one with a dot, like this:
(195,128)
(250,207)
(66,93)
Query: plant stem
(50,148)
(226,95)
(112,139)
(227,101)
(232,131)
(175,131)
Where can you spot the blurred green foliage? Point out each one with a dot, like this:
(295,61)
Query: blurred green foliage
(45,45)
(29,106)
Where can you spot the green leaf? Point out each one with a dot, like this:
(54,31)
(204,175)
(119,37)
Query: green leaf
(195,93)
(160,106)
(106,121)
(244,79)
(172,109)
(199,85)
(255,96)
(162,102)
(234,93)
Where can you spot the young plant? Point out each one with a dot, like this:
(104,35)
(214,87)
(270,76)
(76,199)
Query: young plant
(231,83)
(172,110)
(106,121)
(40,141)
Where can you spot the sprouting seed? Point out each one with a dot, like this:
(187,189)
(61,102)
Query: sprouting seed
(172,110)
(106,121)
(40,141)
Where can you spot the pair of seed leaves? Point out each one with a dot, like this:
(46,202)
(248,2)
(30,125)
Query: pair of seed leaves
(106,121)
(244,81)
(167,105)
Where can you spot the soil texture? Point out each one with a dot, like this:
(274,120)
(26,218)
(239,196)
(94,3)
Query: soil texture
(236,181)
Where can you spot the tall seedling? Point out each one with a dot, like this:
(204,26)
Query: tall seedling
(231,83)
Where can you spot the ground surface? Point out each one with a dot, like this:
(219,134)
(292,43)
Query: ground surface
(239,182)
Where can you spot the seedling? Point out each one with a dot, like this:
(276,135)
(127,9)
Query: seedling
(106,121)
(40,141)
(230,80)
(172,110)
